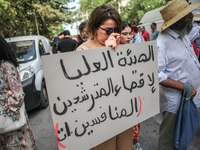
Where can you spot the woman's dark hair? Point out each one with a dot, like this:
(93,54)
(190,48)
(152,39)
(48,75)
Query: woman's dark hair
(125,24)
(6,53)
(99,15)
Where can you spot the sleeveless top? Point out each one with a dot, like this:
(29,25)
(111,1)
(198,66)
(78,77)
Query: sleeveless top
(83,47)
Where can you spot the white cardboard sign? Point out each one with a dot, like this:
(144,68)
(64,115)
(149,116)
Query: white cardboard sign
(96,94)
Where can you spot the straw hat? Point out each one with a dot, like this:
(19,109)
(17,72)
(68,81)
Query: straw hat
(175,10)
(196,17)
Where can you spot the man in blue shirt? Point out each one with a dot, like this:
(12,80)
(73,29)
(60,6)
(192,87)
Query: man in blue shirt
(154,32)
(137,38)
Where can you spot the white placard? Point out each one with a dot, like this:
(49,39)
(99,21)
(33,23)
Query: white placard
(98,93)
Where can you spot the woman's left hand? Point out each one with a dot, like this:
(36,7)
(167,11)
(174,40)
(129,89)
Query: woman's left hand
(113,40)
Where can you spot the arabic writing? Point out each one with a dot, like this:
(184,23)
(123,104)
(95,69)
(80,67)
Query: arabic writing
(121,62)
(97,66)
(101,90)
(112,88)
(113,114)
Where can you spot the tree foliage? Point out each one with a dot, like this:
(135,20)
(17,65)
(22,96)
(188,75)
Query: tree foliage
(132,12)
(89,5)
(44,17)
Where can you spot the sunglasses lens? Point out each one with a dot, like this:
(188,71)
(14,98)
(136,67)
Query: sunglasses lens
(109,31)
(116,30)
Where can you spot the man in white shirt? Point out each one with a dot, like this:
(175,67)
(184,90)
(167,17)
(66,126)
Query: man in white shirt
(177,64)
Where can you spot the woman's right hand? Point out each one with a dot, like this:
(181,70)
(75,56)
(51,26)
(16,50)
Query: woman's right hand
(113,40)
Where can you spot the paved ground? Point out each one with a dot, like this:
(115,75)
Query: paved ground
(149,134)
(42,126)
(43,130)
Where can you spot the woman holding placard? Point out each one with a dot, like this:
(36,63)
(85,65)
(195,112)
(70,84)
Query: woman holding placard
(105,26)
(15,132)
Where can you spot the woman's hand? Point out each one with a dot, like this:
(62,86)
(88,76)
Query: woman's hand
(113,40)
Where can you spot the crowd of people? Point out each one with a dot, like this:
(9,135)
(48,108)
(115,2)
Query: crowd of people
(175,36)
(64,43)
(178,44)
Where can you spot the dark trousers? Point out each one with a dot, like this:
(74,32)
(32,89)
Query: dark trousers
(166,132)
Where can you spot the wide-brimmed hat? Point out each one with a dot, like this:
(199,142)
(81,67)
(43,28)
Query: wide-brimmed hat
(196,17)
(175,10)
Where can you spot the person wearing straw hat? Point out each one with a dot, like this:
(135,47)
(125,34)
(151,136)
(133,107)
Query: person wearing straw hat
(195,24)
(177,64)
(196,19)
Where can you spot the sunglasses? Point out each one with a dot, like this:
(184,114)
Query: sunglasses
(109,31)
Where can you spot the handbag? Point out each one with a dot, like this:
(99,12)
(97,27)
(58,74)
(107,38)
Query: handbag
(6,122)
(187,121)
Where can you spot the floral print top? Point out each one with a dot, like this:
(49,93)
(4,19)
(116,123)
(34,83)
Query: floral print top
(11,92)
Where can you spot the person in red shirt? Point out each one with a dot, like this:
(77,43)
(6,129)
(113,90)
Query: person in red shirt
(195,49)
(145,34)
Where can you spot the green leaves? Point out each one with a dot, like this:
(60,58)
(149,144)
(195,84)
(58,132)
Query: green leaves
(132,12)
(22,17)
